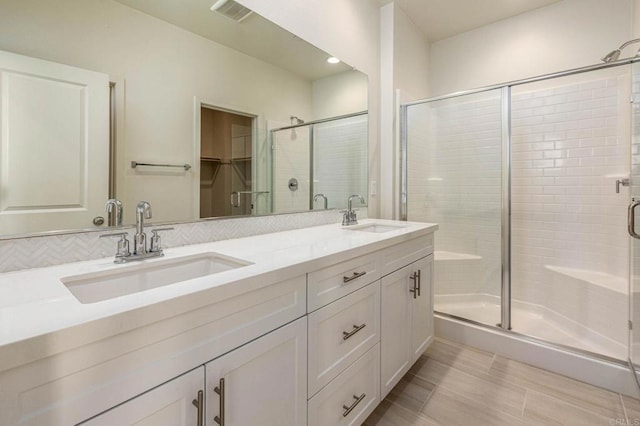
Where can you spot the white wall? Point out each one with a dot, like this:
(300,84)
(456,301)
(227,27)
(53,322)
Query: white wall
(564,35)
(163,67)
(403,69)
(339,94)
(410,58)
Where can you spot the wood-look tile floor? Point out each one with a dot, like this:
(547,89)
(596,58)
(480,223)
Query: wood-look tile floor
(453,384)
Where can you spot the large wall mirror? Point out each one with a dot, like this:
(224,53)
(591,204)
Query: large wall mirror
(170,102)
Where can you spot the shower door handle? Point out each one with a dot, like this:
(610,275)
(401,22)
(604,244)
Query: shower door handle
(631,221)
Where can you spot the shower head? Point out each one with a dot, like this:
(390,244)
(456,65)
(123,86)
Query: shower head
(611,56)
(295,120)
(615,54)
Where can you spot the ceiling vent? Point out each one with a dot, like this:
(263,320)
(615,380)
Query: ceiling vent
(231,9)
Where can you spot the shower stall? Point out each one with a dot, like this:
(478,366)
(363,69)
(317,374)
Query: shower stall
(531,183)
(317,165)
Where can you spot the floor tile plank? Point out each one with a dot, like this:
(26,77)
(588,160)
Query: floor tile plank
(581,394)
(547,410)
(449,408)
(505,397)
(389,414)
(463,358)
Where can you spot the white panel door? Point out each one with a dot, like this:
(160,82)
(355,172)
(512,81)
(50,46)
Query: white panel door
(54,145)
(171,404)
(261,383)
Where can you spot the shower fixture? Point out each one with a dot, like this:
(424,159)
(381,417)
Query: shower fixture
(615,54)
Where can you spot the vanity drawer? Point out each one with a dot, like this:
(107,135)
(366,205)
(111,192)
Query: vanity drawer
(329,284)
(400,255)
(340,333)
(357,388)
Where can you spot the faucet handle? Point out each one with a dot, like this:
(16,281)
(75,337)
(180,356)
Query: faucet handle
(156,243)
(123,245)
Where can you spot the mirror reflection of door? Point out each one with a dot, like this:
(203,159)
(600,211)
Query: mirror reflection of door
(225,163)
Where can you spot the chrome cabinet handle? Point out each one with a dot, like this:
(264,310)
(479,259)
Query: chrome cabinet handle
(353,277)
(415,290)
(356,328)
(419,282)
(631,220)
(357,401)
(220,391)
(199,403)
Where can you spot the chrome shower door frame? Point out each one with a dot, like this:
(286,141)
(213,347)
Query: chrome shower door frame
(505,320)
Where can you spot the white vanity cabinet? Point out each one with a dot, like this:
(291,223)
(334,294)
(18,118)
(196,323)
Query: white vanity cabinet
(407,319)
(364,336)
(318,339)
(261,383)
(179,402)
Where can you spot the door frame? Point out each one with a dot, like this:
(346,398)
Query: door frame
(199,103)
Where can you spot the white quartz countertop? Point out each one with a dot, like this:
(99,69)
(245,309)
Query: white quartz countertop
(40,317)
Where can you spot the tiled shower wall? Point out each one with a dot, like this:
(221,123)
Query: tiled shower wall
(339,147)
(454,179)
(570,143)
(291,160)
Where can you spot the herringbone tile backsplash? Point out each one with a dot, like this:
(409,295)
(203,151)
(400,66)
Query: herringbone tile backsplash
(48,250)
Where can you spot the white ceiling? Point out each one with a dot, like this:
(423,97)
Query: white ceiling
(440,19)
(260,38)
(254,36)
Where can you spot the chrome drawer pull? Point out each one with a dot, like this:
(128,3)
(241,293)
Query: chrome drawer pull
(356,328)
(356,402)
(353,277)
(419,282)
(416,289)
(199,403)
(220,391)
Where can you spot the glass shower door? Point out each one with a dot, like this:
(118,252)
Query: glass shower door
(454,178)
(634,279)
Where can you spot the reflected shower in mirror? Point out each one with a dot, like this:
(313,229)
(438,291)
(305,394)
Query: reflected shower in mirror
(134,77)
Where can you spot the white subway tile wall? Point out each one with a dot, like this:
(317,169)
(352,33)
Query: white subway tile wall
(570,143)
(454,179)
(339,147)
(291,161)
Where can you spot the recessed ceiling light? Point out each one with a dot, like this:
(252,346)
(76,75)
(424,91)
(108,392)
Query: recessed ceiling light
(333,60)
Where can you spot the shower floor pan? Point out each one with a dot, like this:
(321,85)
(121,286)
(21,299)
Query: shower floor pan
(531,320)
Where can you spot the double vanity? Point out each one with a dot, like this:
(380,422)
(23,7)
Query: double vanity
(305,327)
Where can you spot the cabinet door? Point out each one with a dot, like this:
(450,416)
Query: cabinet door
(422,308)
(395,332)
(261,383)
(171,404)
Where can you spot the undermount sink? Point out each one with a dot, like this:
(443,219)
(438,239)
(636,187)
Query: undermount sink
(98,286)
(376,227)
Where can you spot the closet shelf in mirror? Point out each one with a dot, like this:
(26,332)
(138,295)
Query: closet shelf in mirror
(215,160)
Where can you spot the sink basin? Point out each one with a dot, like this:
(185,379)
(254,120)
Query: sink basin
(98,286)
(375,227)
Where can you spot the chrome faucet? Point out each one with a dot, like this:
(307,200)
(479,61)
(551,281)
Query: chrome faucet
(315,198)
(140,252)
(108,207)
(143,211)
(349,216)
